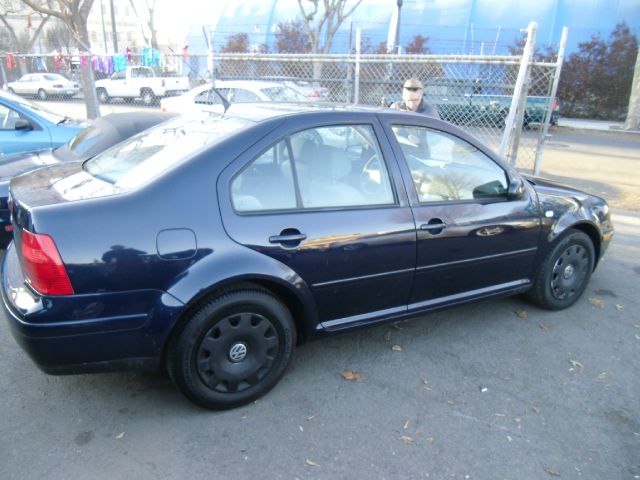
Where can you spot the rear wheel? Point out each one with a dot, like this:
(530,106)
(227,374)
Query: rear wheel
(42,95)
(565,272)
(148,98)
(103,96)
(232,350)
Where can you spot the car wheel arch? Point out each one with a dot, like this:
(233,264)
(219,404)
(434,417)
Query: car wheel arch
(586,227)
(289,294)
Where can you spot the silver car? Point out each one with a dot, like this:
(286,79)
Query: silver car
(44,85)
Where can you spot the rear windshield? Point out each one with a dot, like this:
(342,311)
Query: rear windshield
(146,155)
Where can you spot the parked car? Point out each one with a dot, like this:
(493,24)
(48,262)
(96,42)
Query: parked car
(44,85)
(214,244)
(313,93)
(140,82)
(103,133)
(236,91)
(26,126)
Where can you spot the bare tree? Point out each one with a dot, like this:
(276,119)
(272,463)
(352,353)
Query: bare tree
(21,41)
(145,12)
(324,21)
(74,14)
(58,37)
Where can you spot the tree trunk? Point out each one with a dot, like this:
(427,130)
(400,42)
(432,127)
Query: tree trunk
(86,73)
(633,114)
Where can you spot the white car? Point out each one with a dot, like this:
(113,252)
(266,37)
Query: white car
(236,91)
(44,85)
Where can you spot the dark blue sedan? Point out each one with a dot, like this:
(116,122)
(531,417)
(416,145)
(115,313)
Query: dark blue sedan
(212,245)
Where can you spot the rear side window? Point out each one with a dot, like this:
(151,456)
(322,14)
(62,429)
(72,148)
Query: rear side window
(146,155)
(326,167)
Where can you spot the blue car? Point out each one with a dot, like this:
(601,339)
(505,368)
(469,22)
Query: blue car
(213,245)
(25,126)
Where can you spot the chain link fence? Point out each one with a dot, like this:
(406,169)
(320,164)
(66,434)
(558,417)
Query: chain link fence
(475,92)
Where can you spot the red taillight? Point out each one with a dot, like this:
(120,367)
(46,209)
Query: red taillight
(313,94)
(8,228)
(43,266)
(554,104)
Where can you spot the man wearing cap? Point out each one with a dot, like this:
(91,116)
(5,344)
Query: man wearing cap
(412,100)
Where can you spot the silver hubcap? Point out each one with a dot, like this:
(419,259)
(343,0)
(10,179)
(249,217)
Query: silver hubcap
(237,352)
(568,272)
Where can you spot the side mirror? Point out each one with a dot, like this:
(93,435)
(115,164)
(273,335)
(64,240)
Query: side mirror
(22,124)
(516,189)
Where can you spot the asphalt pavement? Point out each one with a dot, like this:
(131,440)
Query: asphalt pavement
(494,390)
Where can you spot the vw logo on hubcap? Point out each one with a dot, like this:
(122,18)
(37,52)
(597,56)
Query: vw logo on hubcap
(568,272)
(238,352)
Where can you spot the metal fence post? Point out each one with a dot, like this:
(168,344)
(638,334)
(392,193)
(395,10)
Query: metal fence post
(519,96)
(356,80)
(554,89)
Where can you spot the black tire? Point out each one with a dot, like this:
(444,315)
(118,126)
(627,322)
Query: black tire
(42,95)
(232,350)
(564,274)
(103,96)
(148,98)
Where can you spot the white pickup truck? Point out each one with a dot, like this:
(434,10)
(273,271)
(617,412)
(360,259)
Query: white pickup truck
(140,82)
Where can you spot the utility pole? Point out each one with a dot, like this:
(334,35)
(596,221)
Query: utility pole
(113,28)
(633,114)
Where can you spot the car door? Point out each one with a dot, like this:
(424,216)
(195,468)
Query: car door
(12,140)
(326,202)
(118,84)
(24,86)
(472,239)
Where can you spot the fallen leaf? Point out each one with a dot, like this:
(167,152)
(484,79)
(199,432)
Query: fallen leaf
(300,427)
(310,463)
(387,336)
(597,302)
(543,327)
(225,434)
(518,419)
(499,414)
(406,425)
(451,402)
(521,313)
(576,364)
(351,375)
(509,439)
(424,380)
(396,348)
(407,440)
(603,376)
(429,440)
(552,471)
(120,435)
(483,389)
(535,409)
(619,307)
(311,417)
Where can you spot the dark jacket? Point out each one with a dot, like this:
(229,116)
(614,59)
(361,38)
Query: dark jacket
(424,108)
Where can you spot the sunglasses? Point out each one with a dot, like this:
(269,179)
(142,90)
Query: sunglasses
(412,89)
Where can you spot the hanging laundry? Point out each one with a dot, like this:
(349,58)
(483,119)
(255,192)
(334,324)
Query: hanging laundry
(119,63)
(11,62)
(83,60)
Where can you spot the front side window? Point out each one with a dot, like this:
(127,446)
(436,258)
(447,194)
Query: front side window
(8,118)
(326,167)
(447,168)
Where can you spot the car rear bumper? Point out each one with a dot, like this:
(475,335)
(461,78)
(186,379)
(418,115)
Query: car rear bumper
(87,333)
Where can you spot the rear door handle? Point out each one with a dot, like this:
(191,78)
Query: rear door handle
(286,238)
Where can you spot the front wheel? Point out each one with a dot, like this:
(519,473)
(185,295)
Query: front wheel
(232,350)
(42,95)
(564,273)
